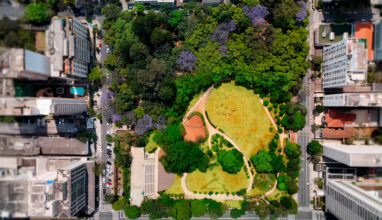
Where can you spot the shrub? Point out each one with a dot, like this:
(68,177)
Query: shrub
(281,186)
(236,213)
(109,138)
(36,12)
(282,112)
(210,193)
(132,212)
(270,108)
(209,120)
(319,108)
(266,102)
(209,153)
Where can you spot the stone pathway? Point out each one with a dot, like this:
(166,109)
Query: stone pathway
(200,106)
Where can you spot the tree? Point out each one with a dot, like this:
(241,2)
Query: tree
(292,187)
(198,208)
(215,209)
(111,198)
(317,60)
(159,37)
(132,212)
(319,108)
(277,163)
(292,149)
(139,51)
(139,8)
(97,170)
(236,213)
(186,61)
(36,12)
(231,161)
(111,11)
(181,209)
(176,18)
(123,159)
(94,74)
(315,148)
(110,62)
(262,161)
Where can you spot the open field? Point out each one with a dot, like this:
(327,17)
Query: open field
(175,188)
(216,180)
(239,113)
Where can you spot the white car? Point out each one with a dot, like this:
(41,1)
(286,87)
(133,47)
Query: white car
(103,180)
(108,147)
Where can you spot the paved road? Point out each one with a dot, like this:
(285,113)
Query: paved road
(12,13)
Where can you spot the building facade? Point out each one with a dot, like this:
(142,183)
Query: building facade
(350,202)
(344,63)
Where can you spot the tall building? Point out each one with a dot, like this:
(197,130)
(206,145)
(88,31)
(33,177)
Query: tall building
(355,201)
(354,155)
(46,187)
(344,63)
(68,48)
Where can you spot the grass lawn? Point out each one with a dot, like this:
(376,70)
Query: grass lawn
(262,183)
(151,146)
(216,180)
(239,113)
(176,187)
(233,203)
(276,195)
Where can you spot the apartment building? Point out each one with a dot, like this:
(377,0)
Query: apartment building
(46,187)
(344,63)
(353,201)
(68,48)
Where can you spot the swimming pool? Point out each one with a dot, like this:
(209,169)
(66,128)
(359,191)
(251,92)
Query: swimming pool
(77,91)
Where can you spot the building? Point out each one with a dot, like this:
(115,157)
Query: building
(355,201)
(344,63)
(354,155)
(46,187)
(44,146)
(154,4)
(68,48)
(363,99)
(377,55)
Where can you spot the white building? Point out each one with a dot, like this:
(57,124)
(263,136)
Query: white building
(354,155)
(353,100)
(344,63)
(41,106)
(68,47)
(353,202)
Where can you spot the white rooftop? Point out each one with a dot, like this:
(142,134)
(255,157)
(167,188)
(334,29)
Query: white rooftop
(354,155)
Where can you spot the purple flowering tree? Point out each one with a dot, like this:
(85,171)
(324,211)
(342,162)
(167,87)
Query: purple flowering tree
(107,96)
(116,117)
(144,124)
(301,13)
(161,123)
(256,14)
(220,34)
(186,61)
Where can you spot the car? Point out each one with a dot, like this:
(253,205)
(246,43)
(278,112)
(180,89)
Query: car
(108,147)
(103,180)
(100,44)
(103,172)
(104,191)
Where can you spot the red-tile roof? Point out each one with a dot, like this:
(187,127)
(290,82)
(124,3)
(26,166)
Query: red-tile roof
(336,120)
(365,30)
(332,133)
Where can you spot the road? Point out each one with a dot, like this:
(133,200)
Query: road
(11,12)
(305,135)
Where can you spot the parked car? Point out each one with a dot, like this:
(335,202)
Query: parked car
(103,172)
(104,191)
(103,180)
(108,147)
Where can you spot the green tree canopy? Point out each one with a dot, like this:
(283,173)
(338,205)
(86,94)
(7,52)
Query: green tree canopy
(36,12)
(314,147)
(231,161)
(262,161)
(198,208)
(132,212)
(292,149)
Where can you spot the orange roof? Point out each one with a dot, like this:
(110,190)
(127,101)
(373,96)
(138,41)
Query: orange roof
(336,120)
(365,30)
(338,133)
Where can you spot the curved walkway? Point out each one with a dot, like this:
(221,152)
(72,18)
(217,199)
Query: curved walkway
(200,106)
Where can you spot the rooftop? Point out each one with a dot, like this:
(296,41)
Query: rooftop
(338,29)
(332,133)
(335,119)
(354,155)
(365,31)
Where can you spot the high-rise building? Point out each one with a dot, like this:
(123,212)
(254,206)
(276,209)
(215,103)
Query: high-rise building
(46,187)
(354,155)
(68,48)
(353,201)
(344,63)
